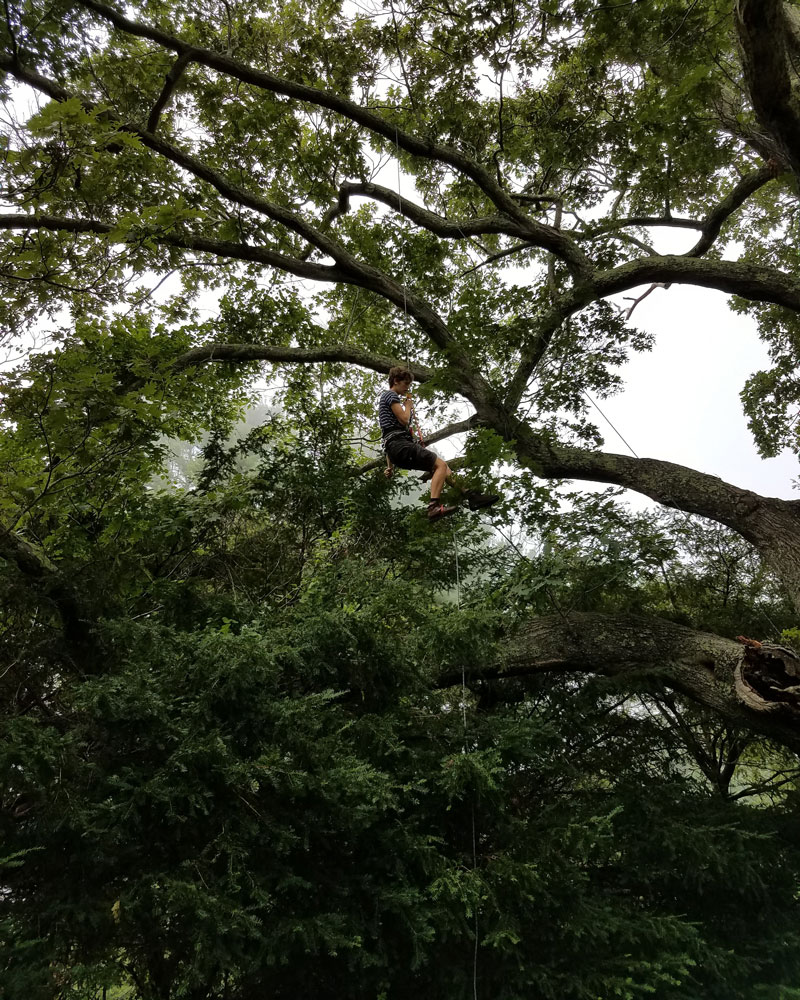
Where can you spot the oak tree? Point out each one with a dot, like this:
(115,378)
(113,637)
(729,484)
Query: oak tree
(326,190)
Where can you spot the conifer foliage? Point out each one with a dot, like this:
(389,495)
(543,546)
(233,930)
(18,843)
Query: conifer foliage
(264,731)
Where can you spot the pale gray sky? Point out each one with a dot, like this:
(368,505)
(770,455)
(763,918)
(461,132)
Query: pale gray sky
(681,401)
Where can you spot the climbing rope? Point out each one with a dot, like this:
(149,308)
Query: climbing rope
(403,255)
(466,750)
(414,425)
(685,514)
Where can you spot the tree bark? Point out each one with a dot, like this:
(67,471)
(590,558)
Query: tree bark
(768,35)
(757,687)
(770,524)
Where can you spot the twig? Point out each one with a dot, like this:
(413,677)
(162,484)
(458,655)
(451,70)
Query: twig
(635,302)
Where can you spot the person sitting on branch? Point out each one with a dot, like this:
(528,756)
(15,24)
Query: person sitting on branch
(395,409)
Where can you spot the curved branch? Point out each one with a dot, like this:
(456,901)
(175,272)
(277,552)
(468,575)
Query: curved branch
(240,353)
(750,281)
(545,236)
(668,483)
(170,83)
(29,560)
(546,329)
(709,227)
(715,220)
(702,666)
(769,523)
(423,217)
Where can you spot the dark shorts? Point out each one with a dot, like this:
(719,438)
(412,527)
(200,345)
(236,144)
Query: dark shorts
(406,453)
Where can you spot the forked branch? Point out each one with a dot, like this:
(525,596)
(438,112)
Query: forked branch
(544,236)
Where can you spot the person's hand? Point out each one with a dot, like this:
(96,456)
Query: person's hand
(388,472)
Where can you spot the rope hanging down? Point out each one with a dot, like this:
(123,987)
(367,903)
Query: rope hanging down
(403,253)
(414,425)
(472,801)
(685,514)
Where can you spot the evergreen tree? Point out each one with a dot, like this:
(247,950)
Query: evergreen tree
(265,732)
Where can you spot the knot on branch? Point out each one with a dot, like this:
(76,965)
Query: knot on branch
(768,678)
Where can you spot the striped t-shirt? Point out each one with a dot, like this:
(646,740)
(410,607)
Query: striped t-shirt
(387,420)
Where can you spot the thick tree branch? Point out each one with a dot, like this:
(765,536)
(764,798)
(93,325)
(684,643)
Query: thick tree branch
(747,689)
(54,223)
(46,577)
(771,524)
(240,353)
(764,36)
(750,281)
(239,251)
(29,560)
(184,241)
(168,90)
(545,236)
(423,217)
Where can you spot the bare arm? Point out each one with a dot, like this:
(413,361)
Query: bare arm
(403,410)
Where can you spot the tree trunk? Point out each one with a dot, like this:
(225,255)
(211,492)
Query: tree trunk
(768,36)
(751,685)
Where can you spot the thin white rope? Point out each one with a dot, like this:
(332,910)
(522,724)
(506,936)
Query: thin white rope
(463,668)
(472,800)
(613,428)
(400,212)
(686,515)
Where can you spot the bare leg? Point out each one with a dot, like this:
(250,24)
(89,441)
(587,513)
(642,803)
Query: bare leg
(451,477)
(440,472)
